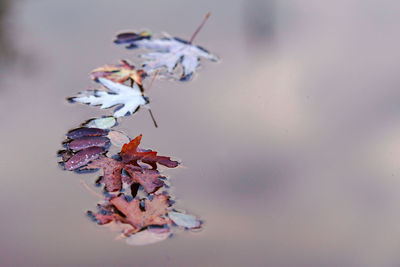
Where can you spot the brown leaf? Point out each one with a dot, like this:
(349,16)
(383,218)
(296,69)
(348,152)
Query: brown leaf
(149,179)
(132,214)
(112,172)
(112,177)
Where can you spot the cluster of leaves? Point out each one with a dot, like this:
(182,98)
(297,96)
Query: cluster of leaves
(135,194)
(87,148)
(122,84)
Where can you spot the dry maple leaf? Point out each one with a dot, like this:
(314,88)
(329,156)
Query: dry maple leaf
(119,73)
(134,213)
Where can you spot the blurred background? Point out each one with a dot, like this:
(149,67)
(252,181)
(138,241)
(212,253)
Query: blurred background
(290,146)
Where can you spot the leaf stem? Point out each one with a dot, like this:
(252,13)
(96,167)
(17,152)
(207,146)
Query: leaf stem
(152,117)
(199,27)
(152,80)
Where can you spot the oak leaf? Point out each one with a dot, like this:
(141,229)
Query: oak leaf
(139,214)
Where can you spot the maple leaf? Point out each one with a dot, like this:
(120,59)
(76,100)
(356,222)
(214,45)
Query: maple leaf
(132,153)
(133,213)
(129,99)
(119,73)
(167,52)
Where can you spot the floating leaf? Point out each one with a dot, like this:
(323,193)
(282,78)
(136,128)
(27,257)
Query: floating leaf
(131,153)
(128,99)
(83,157)
(88,141)
(168,52)
(102,123)
(184,220)
(119,73)
(139,216)
(84,131)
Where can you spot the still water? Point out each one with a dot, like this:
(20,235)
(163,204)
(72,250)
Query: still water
(290,145)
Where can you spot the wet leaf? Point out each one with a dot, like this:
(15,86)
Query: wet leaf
(84,131)
(119,73)
(102,123)
(128,99)
(131,153)
(149,179)
(131,212)
(184,220)
(111,172)
(88,141)
(83,157)
(147,237)
(166,53)
(112,175)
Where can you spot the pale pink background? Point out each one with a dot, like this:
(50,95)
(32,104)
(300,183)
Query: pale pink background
(290,145)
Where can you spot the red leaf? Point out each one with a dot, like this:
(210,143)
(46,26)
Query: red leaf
(131,153)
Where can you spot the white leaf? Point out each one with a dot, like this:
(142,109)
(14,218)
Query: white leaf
(184,220)
(102,123)
(168,53)
(128,98)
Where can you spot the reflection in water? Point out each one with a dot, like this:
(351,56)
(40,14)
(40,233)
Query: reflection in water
(7,52)
(259,22)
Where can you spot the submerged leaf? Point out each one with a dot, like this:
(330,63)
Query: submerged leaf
(166,52)
(118,139)
(147,237)
(128,99)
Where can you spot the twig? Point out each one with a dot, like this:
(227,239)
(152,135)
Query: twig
(200,26)
(152,117)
